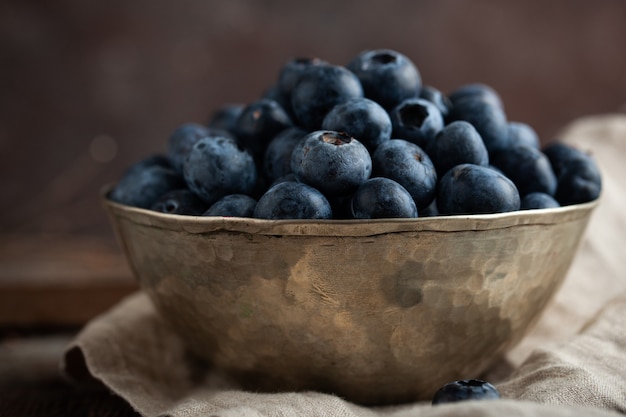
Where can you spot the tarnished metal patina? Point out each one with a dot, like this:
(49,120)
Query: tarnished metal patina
(381,311)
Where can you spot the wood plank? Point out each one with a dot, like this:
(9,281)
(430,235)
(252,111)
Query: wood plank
(60,280)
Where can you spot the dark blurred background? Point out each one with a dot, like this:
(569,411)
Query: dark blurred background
(89,87)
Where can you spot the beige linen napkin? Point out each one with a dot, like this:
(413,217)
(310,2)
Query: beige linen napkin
(572,364)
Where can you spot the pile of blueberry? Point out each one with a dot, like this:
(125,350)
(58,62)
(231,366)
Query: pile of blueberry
(361,141)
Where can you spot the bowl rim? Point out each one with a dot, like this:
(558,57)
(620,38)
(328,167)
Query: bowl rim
(344,227)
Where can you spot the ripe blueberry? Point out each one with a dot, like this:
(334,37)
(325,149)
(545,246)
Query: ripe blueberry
(225,117)
(458,143)
(476,90)
(143,183)
(292,200)
(430,211)
(487,117)
(184,137)
(258,123)
(290,74)
(320,88)
(379,198)
(436,97)
(218,166)
(332,162)
(580,181)
(527,167)
(533,201)
(407,164)
(522,134)
(232,205)
(181,201)
(273,94)
(362,119)
(578,177)
(464,390)
(277,160)
(388,77)
(474,189)
(416,120)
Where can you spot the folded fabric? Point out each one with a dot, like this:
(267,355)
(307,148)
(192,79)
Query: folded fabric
(135,354)
(573,363)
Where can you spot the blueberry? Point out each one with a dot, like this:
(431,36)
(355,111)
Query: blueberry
(333,162)
(274,94)
(380,198)
(474,189)
(277,160)
(287,177)
(528,168)
(225,118)
(431,210)
(181,201)
(362,119)
(464,390)
(290,75)
(578,176)
(320,88)
(144,182)
(293,200)
(476,90)
(218,166)
(538,201)
(488,118)
(232,205)
(522,134)
(580,181)
(407,164)
(458,143)
(184,137)
(562,154)
(260,122)
(436,97)
(388,77)
(416,120)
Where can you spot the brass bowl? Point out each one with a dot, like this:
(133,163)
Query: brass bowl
(378,312)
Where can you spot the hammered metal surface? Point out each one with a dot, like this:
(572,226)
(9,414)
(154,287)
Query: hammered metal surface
(374,311)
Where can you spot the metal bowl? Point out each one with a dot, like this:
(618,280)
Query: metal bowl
(378,312)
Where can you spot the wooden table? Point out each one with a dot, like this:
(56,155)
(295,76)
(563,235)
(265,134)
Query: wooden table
(50,286)
(31,385)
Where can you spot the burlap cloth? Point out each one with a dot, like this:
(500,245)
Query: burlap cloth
(573,363)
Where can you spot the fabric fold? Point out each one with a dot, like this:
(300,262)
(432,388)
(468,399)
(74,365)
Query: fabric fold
(584,375)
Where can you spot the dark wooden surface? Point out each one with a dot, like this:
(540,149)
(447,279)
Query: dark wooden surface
(55,397)
(31,385)
(58,279)
(50,286)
